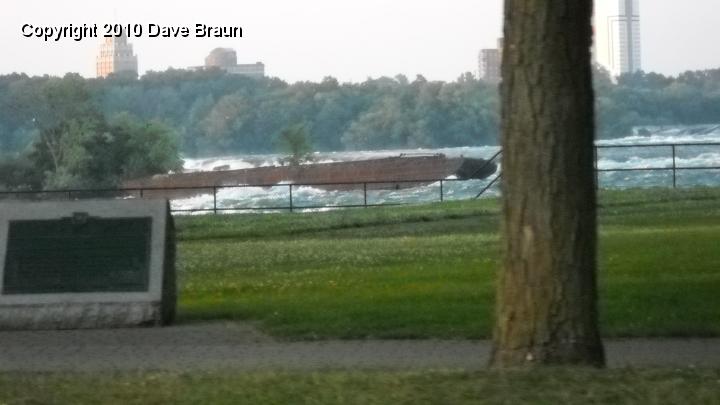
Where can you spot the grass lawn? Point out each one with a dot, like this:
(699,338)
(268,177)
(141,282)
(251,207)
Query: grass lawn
(428,271)
(547,386)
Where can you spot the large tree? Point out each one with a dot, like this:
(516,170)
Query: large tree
(90,152)
(547,298)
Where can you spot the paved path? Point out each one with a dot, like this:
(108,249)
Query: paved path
(240,346)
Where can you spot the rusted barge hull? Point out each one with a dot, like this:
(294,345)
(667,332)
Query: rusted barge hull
(387,173)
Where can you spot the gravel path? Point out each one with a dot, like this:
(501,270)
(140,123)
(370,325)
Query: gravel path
(240,346)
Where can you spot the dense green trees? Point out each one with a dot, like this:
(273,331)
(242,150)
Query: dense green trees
(217,113)
(83,152)
(652,99)
(213,112)
(71,144)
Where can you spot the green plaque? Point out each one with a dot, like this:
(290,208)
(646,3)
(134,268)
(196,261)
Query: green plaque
(78,254)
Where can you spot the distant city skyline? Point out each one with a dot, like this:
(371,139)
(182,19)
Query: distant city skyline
(350,40)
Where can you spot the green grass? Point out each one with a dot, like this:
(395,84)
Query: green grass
(547,386)
(428,271)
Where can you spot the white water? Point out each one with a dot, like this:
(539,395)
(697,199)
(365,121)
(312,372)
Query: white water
(278,197)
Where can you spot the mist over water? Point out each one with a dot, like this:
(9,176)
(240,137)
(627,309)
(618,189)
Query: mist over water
(655,154)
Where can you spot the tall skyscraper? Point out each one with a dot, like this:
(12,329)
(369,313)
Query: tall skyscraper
(617,35)
(116,55)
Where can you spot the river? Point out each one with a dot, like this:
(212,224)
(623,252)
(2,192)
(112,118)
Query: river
(655,154)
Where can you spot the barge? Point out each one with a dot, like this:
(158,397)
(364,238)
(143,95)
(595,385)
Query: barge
(397,172)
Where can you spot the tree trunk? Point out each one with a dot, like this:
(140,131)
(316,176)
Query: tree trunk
(547,298)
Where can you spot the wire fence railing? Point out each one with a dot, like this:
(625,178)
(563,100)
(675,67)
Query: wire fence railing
(672,148)
(364,193)
(290,204)
(673,168)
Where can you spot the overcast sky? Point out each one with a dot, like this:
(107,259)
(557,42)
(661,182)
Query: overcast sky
(347,39)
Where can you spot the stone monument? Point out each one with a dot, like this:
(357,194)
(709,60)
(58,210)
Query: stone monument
(86,264)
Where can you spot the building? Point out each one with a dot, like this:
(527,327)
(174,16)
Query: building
(116,55)
(226,59)
(221,58)
(250,69)
(617,44)
(490,62)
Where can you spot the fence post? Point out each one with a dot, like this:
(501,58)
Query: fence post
(291,199)
(365,194)
(674,168)
(441,190)
(142,194)
(69,195)
(597,172)
(215,200)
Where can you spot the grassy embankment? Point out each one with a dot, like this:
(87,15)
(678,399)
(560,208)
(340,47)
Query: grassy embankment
(428,271)
(549,386)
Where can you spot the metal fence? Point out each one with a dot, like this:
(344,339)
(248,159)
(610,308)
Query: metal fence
(292,205)
(673,168)
(672,148)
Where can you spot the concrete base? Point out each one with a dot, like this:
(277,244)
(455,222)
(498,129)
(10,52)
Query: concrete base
(80,316)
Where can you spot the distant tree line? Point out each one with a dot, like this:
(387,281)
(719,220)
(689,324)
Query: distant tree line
(53,131)
(648,99)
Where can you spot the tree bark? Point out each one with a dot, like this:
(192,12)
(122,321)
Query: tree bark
(547,298)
